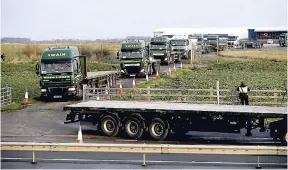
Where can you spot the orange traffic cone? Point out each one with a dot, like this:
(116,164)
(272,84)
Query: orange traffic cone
(26,100)
(120,90)
(181,66)
(174,67)
(79,139)
(169,71)
(133,83)
(107,97)
(157,75)
(147,78)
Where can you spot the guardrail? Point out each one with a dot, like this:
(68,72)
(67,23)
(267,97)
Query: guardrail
(273,97)
(144,149)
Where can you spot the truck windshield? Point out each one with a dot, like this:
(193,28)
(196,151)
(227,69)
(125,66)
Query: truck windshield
(56,67)
(131,54)
(178,42)
(158,47)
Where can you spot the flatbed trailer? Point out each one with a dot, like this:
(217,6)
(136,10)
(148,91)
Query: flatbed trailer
(161,118)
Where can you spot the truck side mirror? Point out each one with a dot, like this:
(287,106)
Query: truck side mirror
(117,54)
(38,69)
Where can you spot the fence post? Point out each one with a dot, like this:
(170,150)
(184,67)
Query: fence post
(179,97)
(211,94)
(148,93)
(275,95)
(10,95)
(84,91)
(258,160)
(217,86)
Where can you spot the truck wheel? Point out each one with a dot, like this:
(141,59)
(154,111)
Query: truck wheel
(150,70)
(109,126)
(283,139)
(158,129)
(134,128)
(189,54)
(79,93)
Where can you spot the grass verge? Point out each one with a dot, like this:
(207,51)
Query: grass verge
(257,74)
(277,55)
(22,75)
(18,53)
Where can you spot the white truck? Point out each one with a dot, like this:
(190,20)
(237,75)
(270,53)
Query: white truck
(180,47)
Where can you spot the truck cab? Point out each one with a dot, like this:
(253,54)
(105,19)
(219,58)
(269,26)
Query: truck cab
(198,42)
(60,72)
(180,48)
(159,49)
(134,60)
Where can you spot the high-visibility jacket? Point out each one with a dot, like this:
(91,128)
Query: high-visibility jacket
(243,89)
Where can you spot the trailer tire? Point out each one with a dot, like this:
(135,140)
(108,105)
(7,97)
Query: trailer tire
(134,127)
(158,129)
(109,126)
(283,139)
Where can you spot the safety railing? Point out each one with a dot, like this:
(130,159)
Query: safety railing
(273,97)
(145,149)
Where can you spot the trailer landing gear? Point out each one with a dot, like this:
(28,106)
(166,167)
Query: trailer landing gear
(248,128)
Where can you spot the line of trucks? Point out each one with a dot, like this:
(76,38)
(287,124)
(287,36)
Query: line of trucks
(63,70)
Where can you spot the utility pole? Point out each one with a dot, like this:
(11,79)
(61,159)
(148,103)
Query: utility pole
(217,45)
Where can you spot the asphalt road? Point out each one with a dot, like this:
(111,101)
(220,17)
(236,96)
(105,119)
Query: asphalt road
(127,82)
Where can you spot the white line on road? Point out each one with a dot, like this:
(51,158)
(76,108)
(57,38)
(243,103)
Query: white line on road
(123,140)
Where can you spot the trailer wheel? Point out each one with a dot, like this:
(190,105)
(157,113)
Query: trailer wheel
(158,129)
(109,126)
(134,128)
(283,139)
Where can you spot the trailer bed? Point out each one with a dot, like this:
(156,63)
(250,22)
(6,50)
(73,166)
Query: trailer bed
(167,107)
(91,75)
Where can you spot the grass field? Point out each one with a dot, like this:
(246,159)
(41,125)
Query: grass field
(257,74)
(32,52)
(275,54)
(22,75)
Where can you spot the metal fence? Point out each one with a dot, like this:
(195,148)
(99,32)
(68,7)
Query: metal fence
(6,97)
(270,97)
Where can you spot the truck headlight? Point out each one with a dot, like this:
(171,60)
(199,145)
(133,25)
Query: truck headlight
(43,90)
(71,89)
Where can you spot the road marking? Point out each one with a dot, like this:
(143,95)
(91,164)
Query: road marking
(124,140)
(140,161)
(45,139)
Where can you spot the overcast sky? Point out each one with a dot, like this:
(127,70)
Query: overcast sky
(91,19)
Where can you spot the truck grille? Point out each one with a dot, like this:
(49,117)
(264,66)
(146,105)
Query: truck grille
(178,49)
(132,69)
(57,82)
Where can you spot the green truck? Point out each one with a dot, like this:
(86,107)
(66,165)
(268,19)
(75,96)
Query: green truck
(283,40)
(63,72)
(134,59)
(159,49)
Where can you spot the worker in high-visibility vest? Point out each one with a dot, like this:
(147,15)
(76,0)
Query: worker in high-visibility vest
(243,93)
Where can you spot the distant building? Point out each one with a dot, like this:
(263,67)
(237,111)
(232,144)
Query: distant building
(265,34)
(233,32)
